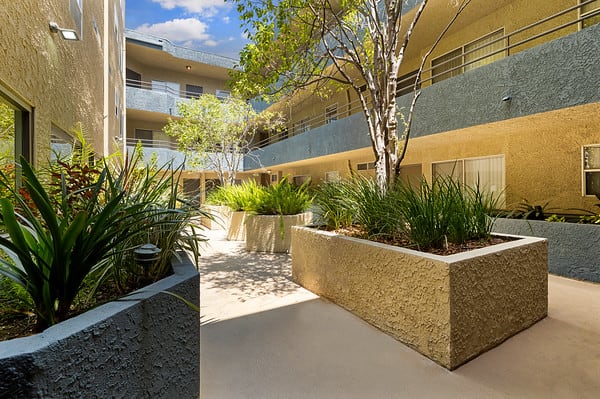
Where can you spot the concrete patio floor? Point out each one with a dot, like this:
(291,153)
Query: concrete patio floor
(262,336)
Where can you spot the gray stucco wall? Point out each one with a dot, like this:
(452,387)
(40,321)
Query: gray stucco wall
(342,135)
(555,75)
(145,345)
(152,100)
(559,74)
(573,249)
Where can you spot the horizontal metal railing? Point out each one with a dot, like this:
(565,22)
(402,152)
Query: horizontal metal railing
(161,87)
(166,144)
(509,47)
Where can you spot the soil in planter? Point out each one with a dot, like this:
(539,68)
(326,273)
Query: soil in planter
(404,242)
(17,324)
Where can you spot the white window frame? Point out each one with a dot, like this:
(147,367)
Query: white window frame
(302,126)
(586,169)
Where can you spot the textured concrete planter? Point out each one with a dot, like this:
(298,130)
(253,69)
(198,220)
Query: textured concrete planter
(573,249)
(237,226)
(449,308)
(220,219)
(143,346)
(264,232)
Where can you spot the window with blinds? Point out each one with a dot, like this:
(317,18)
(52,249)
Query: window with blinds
(482,51)
(487,173)
(587,9)
(591,169)
(476,53)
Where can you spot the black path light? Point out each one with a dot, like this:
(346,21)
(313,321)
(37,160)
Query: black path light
(145,255)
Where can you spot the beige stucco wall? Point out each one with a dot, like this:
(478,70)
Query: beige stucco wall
(273,233)
(63,82)
(449,308)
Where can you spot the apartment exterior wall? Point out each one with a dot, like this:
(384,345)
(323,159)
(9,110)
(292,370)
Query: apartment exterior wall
(61,82)
(538,133)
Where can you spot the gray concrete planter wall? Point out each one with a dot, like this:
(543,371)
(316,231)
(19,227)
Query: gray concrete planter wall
(449,308)
(272,233)
(145,345)
(573,249)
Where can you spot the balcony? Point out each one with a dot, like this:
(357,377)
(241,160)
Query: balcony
(162,152)
(545,66)
(161,97)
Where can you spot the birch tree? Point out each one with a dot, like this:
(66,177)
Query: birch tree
(361,44)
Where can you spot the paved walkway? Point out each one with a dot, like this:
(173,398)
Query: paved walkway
(262,336)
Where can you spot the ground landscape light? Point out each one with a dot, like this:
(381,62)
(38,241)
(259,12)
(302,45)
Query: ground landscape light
(67,34)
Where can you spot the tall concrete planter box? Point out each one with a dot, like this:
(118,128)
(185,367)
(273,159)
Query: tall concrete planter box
(145,345)
(573,249)
(264,233)
(449,308)
(237,226)
(220,217)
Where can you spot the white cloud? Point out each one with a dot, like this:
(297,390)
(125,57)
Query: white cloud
(210,43)
(226,20)
(207,8)
(178,30)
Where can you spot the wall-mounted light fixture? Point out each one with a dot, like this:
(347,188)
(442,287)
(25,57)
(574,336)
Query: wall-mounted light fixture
(67,34)
(188,67)
(506,98)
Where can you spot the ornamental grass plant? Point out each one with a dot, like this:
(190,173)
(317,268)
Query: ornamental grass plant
(61,237)
(427,215)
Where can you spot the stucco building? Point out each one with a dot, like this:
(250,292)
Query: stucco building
(160,75)
(510,96)
(49,84)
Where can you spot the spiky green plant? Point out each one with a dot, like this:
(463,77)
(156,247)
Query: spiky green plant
(285,198)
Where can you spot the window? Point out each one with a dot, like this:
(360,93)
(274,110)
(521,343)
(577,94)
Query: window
(447,66)
(590,8)
(487,172)
(365,166)
(591,169)
(61,143)
(145,136)
(193,91)
(301,126)
(482,51)
(300,180)
(134,79)
(76,9)
(15,129)
(222,94)
(406,83)
(331,113)
(191,189)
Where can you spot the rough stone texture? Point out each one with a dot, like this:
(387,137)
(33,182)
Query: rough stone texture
(145,345)
(449,308)
(573,249)
(264,232)
(64,82)
(237,226)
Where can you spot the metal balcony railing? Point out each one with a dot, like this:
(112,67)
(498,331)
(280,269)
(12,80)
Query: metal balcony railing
(511,42)
(169,145)
(161,87)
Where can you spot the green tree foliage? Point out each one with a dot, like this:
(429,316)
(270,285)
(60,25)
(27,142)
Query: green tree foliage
(216,134)
(317,44)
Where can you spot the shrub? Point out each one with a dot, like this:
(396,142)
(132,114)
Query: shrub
(53,243)
(238,197)
(429,215)
(284,198)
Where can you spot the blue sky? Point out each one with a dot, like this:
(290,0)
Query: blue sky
(208,25)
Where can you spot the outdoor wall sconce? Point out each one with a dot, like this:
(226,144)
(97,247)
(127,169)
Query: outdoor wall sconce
(188,67)
(506,98)
(67,34)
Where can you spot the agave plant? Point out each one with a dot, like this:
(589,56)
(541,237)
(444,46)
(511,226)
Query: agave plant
(52,248)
